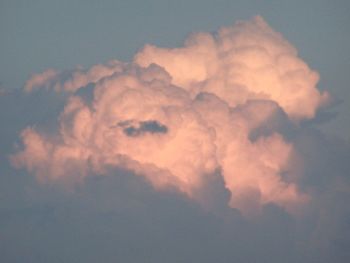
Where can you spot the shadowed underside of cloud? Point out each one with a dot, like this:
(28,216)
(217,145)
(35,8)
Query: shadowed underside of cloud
(202,153)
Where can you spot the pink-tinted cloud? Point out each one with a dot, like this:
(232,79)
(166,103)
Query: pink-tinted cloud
(72,81)
(178,116)
(246,61)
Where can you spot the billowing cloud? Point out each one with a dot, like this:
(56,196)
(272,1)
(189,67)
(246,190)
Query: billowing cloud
(246,61)
(178,116)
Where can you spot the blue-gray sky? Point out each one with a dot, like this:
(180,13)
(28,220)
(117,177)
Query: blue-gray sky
(117,212)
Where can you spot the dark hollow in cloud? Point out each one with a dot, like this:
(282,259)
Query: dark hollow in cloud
(132,129)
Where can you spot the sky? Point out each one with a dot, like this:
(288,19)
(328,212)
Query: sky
(163,131)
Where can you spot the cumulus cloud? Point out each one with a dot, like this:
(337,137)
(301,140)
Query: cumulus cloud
(246,61)
(178,116)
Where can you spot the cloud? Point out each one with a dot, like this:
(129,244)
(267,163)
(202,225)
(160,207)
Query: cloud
(141,121)
(187,154)
(176,116)
(246,61)
(72,80)
(121,218)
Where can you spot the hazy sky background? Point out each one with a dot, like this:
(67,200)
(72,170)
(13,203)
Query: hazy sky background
(124,217)
(36,35)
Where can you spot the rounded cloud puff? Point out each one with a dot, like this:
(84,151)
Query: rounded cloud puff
(246,61)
